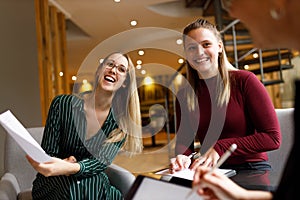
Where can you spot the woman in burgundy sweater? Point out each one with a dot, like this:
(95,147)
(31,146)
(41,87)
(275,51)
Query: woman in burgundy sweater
(220,106)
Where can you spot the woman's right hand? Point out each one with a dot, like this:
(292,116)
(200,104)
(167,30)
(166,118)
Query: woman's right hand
(56,166)
(215,185)
(179,163)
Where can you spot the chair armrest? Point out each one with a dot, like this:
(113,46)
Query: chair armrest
(9,187)
(119,177)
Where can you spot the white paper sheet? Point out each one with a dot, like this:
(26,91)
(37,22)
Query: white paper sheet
(19,133)
(189,174)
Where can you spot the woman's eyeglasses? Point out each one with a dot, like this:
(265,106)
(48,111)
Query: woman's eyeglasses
(121,69)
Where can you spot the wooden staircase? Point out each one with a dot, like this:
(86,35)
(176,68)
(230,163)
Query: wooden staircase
(267,64)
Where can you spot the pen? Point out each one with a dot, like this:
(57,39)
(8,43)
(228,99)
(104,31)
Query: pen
(223,158)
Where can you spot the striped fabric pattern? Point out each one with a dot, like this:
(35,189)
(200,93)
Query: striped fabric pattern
(64,135)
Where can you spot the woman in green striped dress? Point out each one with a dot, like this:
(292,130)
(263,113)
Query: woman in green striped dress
(84,132)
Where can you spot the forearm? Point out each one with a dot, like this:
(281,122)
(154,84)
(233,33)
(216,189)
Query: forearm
(257,195)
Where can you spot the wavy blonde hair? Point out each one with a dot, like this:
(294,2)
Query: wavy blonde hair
(126,106)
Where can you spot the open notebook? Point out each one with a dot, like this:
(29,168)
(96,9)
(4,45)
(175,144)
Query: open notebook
(189,174)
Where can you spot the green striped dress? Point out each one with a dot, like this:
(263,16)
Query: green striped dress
(64,136)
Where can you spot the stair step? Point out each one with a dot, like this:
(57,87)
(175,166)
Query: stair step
(286,55)
(272,82)
(272,69)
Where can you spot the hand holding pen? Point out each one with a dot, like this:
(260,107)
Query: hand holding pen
(180,162)
(223,158)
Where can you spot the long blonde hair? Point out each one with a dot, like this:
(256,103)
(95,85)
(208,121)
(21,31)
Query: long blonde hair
(223,82)
(126,106)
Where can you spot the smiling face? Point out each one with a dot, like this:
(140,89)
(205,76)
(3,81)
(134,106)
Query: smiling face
(202,49)
(113,72)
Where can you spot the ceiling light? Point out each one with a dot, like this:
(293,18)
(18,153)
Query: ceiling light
(74,78)
(141,52)
(179,41)
(143,71)
(246,66)
(139,66)
(133,23)
(180,60)
(139,62)
(255,55)
(117,1)
(148,80)
(61,73)
(101,60)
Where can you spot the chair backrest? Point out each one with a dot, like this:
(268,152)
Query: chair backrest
(15,161)
(277,158)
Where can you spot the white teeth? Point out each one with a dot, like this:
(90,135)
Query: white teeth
(201,60)
(109,78)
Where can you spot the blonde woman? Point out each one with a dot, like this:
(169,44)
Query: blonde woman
(84,133)
(224,106)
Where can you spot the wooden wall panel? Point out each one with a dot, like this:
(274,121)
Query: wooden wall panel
(51,37)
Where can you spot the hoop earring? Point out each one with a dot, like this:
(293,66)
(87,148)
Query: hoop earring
(277,14)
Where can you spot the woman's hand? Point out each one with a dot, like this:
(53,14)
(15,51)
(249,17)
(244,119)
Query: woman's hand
(209,159)
(215,185)
(56,166)
(179,163)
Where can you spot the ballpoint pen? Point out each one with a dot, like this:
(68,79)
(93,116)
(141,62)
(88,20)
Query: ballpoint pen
(223,158)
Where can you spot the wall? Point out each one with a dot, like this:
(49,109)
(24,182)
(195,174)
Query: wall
(287,90)
(19,83)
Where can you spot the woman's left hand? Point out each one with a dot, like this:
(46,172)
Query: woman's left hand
(209,159)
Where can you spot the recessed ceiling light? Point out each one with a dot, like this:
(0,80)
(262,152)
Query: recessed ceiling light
(74,78)
(133,23)
(138,66)
(139,62)
(143,71)
(179,41)
(117,1)
(246,66)
(141,52)
(180,60)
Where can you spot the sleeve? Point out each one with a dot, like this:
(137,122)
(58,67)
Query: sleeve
(93,166)
(50,141)
(262,117)
(185,133)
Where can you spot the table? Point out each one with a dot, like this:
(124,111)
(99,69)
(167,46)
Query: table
(257,180)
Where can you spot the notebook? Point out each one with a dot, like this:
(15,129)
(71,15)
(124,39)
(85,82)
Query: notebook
(189,174)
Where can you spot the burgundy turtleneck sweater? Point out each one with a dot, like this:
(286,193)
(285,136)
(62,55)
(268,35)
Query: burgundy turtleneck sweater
(249,119)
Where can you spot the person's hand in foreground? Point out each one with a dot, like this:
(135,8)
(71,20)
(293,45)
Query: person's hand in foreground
(215,185)
(56,166)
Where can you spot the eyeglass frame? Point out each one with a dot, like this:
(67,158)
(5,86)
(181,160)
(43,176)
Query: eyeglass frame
(110,64)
